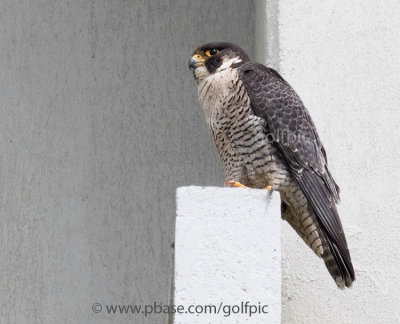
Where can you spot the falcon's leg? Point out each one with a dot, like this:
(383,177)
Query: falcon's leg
(235,184)
(269,189)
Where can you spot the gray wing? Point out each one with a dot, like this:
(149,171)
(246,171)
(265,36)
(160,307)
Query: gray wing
(298,143)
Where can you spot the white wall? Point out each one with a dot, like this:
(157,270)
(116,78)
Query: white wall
(343,58)
(228,253)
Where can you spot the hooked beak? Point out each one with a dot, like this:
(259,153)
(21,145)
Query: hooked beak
(194,62)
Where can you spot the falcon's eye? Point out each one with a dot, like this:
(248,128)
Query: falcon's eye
(211,52)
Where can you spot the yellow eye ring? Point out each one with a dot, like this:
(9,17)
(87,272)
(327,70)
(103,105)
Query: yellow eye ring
(211,52)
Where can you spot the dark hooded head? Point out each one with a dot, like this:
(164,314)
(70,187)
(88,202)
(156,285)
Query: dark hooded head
(215,57)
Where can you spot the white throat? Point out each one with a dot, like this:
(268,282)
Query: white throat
(214,90)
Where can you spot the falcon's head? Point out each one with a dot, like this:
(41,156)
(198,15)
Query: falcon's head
(212,58)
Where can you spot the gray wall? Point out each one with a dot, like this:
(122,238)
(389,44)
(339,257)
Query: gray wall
(99,124)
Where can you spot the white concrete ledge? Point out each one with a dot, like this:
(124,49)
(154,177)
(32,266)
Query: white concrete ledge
(227,256)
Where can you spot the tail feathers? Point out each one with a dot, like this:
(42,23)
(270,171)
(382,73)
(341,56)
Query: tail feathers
(337,261)
(338,266)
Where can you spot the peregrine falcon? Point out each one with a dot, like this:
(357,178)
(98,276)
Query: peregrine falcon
(266,139)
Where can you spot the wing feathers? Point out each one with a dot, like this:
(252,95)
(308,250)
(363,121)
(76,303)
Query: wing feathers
(273,99)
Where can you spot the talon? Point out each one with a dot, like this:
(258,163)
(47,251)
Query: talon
(234,184)
(269,188)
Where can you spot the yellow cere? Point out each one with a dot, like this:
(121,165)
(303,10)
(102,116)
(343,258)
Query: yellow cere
(199,57)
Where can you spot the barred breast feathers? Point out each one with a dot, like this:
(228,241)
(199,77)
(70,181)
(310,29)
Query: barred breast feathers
(214,93)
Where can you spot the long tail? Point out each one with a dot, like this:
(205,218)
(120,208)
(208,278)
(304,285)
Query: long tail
(341,272)
(322,193)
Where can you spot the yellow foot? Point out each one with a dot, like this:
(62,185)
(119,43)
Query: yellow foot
(235,184)
(269,188)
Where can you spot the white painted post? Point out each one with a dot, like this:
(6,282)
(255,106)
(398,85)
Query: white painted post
(227,256)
